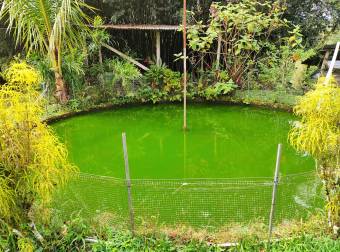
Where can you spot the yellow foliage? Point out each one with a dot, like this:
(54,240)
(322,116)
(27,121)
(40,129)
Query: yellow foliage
(318,132)
(21,75)
(32,160)
(25,245)
(7,204)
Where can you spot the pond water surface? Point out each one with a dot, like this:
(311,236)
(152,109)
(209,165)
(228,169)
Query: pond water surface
(218,171)
(221,142)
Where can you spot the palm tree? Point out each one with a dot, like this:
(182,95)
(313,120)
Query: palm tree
(47,27)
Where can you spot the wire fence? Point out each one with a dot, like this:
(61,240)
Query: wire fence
(191,202)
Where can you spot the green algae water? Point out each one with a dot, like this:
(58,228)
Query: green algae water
(223,143)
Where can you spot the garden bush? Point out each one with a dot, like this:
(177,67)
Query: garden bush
(318,134)
(32,162)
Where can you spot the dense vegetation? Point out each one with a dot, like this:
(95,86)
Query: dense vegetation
(318,134)
(78,235)
(262,47)
(32,161)
(47,28)
(269,54)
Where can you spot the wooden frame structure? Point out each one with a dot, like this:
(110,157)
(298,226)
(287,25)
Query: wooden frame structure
(146,27)
(157,29)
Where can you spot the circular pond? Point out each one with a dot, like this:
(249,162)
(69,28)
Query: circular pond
(219,171)
(221,142)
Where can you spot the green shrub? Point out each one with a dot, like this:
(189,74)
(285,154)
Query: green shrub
(243,26)
(155,76)
(124,74)
(164,82)
(282,68)
(218,89)
(73,68)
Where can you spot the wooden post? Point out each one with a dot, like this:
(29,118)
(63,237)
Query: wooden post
(276,182)
(185,64)
(128,184)
(330,70)
(158,48)
(124,56)
(218,56)
(100,59)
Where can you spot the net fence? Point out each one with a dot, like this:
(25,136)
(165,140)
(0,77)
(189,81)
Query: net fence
(191,202)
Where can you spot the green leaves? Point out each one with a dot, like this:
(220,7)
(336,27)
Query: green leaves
(295,40)
(243,26)
(98,35)
(199,39)
(223,86)
(123,72)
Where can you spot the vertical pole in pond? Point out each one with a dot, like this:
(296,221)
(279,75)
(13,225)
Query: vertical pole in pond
(128,184)
(276,182)
(185,64)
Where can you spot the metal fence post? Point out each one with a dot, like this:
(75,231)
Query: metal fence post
(128,184)
(276,182)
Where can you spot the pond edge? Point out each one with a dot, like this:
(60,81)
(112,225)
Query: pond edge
(221,100)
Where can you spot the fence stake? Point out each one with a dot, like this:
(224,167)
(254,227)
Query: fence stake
(128,183)
(276,182)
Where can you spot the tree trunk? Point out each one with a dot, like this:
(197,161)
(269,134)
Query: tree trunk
(60,86)
(61,90)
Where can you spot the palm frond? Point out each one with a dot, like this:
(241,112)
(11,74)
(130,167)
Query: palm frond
(44,25)
(25,20)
